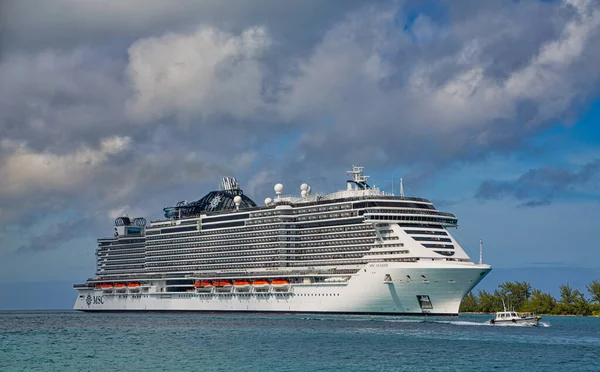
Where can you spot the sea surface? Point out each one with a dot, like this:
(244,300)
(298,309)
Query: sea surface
(73,341)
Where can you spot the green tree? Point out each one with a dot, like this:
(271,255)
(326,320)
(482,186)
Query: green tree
(540,303)
(572,301)
(469,304)
(594,291)
(488,303)
(515,294)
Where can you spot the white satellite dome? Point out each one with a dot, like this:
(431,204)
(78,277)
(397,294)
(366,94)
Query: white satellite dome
(237,199)
(304,187)
(303,193)
(278,188)
(268,201)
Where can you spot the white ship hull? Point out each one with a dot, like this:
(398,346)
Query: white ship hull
(418,288)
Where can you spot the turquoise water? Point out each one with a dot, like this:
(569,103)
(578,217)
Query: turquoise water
(71,341)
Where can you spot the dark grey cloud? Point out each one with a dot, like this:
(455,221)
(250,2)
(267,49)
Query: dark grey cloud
(113,24)
(537,187)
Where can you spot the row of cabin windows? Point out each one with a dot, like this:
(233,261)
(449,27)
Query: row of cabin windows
(446,246)
(313,217)
(185,248)
(203,253)
(276,264)
(335,242)
(120,259)
(309,233)
(266,258)
(121,241)
(431,239)
(121,246)
(326,216)
(121,250)
(222,242)
(120,256)
(301,226)
(169,243)
(426,232)
(305,210)
(335,236)
(245,249)
(340,270)
(288,264)
(220,233)
(262,253)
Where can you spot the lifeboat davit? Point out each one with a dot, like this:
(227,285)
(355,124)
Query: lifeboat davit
(280,284)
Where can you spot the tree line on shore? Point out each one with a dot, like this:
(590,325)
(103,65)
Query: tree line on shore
(520,296)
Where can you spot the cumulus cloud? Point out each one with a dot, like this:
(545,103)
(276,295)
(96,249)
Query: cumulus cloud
(59,100)
(439,99)
(199,74)
(25,171)
(537,187)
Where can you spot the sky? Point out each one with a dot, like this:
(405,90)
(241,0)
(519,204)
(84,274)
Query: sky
(491,109)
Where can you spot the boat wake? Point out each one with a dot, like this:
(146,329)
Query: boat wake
(461,322)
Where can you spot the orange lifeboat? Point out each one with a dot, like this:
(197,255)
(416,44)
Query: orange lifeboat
(242,285)
(98,286)
(107,286)
(280,284)
(204,285)
(222,283)
(260,284)
(133,285)
(120,285)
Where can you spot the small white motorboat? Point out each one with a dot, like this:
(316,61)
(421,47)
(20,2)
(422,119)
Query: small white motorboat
(514,318)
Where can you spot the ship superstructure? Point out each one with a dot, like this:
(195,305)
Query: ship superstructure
(359,250)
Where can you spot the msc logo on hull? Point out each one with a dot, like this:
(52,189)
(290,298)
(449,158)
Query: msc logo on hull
(96,300)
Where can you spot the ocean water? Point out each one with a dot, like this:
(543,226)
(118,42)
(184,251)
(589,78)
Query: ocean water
(72,341)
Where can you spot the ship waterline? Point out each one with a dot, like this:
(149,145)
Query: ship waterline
(358,251)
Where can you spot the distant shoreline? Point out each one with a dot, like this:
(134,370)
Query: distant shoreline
(541,314)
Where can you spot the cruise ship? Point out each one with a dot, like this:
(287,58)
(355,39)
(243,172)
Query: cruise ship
(356,251)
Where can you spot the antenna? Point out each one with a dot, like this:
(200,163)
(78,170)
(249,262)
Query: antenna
(480,251)
(401,188)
